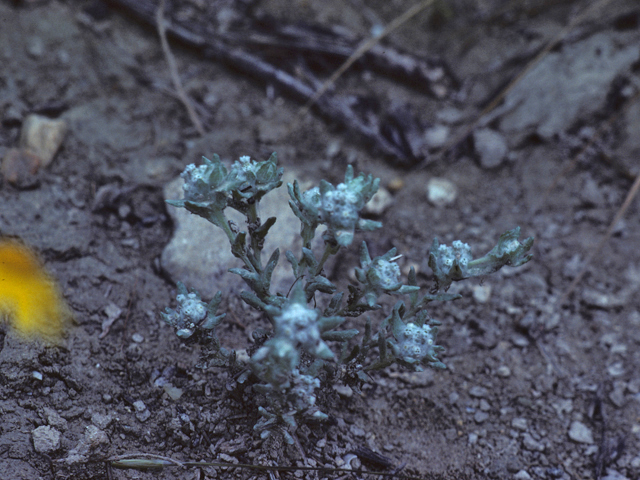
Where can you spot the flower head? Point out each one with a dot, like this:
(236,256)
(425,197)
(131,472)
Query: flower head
(337,207)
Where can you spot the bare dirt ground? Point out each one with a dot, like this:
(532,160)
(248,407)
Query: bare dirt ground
(533,388)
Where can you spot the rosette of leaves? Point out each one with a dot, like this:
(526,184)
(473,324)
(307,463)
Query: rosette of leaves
(451,264)
(336,207)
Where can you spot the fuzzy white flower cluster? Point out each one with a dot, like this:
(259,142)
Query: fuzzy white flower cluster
(415,342)
(299,324)
(191,311)
(457,251)
(388,272)
(194,186)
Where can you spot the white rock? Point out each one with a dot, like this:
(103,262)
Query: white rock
(481,293)
(42,136)
(380,202)
(441,192)
(490,146)
(580,433)
(45,439)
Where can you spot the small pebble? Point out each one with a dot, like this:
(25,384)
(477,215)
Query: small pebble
(522,475)
(531,443)
(478,392)
(449,115)
(395,185)
(136,337)
(616,369)
(520,340)
(343,390)
(45,439)
(480,416)
(481,293)
(580,433)
(503,371)
(42,136)
(490,147)
(37,375)
(519,423)
(35,47)
(441,192)
(379,203)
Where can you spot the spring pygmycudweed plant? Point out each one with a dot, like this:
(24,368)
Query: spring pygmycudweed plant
(304,347)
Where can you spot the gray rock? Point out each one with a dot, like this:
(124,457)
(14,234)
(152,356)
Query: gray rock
(531,443)
(478,392)
(480,416)
(436,136)
(199,255)
(142,414)
(490,147)
(45,439)
(580,433)
(567,85)
(522,475)
(519,423)
(54,419)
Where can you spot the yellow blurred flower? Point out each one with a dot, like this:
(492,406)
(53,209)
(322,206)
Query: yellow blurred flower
(29,298)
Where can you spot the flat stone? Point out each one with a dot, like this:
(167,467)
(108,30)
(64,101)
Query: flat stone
(567,85)
(199,254)
(580,433)
(46,439)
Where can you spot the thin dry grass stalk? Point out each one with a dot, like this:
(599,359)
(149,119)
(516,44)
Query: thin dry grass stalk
(173,70)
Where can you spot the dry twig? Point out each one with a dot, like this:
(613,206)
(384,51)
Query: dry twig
(503,93)
(173,69)
(360,51)
(623,209)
